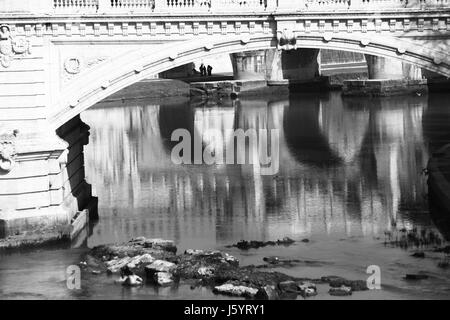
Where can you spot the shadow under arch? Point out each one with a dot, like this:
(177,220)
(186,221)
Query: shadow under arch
(436,121)
(303,134)
(176,116)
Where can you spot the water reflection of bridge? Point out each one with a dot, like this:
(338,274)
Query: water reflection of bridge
(346,167)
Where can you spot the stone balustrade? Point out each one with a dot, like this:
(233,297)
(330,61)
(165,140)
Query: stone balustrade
(216,6)
(75,4)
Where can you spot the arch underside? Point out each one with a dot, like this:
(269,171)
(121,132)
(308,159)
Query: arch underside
(113,75)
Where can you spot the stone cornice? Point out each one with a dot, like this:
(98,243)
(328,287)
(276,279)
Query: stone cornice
(128,27)
(23,18)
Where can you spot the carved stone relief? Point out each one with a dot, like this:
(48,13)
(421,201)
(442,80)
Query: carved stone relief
(286,40)
(12,47)
(74,65)
(8,152)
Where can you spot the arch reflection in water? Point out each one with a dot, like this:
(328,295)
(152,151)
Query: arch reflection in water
(347,167)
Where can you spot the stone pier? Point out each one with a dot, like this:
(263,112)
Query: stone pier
(297,69)
(43,192)
(387,77)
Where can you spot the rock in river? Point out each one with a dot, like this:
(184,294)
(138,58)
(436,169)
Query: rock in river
(160,244)
(340,291)
(267,293)
(254,244)
(130,281)
(159,266)
(288,286)
(236,290)
(156,248)
(163,278)
(355,285)
(307,289)
(114,265)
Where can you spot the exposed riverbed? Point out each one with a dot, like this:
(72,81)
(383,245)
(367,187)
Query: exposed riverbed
(350,175)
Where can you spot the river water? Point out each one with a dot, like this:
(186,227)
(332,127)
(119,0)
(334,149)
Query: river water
(350,172)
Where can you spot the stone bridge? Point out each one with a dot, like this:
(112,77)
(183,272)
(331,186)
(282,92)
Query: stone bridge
(60,57)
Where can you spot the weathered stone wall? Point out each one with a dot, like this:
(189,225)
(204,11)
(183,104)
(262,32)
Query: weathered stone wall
(390,69)
(45,188)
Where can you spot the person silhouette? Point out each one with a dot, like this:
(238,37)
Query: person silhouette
(202,69)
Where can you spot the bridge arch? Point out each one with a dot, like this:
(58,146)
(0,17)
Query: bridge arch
(113,75)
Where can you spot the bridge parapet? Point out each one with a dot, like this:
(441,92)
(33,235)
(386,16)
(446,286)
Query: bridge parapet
(70,7)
